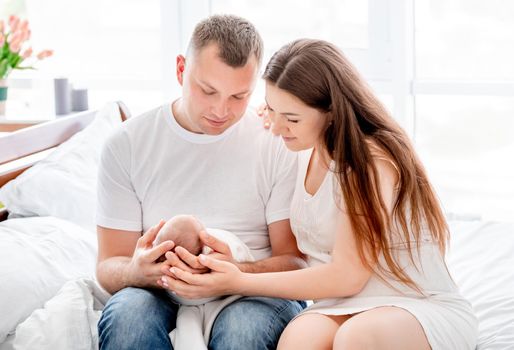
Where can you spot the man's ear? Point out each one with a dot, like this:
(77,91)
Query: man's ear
(181,66)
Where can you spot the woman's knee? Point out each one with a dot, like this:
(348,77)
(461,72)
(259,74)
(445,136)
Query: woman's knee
(380,328)
(351,335)
(309,331)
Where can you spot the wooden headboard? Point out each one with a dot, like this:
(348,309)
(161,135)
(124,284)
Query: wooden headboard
(21,149)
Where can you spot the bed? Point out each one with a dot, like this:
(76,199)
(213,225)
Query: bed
(47,233)
(48,295)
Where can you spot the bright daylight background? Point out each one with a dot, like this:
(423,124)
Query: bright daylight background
(444,68)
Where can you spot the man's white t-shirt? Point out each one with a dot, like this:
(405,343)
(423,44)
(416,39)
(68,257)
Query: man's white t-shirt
(240,181)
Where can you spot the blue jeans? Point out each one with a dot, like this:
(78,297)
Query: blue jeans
(137,318)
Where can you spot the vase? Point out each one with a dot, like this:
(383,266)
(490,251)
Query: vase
(3,96)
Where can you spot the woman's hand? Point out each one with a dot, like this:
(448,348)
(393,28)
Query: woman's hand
(224,279)
(184,260)
(181,258)
(262,111)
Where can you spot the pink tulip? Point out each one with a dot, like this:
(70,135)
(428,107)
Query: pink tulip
(24,25)
(44,54)
(14,21)
(17,33)
(14,37)
(15,46)
(26,53)
(25,35)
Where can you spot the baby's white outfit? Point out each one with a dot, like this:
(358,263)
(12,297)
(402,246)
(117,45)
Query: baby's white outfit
(196,316)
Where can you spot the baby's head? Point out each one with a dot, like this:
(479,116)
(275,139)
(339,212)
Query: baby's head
(184,230)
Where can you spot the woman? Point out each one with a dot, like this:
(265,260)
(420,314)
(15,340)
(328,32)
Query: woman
(364,214)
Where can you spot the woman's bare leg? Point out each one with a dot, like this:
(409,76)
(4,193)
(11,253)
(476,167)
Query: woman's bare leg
(311,331)
(381,328)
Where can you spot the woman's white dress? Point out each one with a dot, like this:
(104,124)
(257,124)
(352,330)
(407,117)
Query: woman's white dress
(446,317)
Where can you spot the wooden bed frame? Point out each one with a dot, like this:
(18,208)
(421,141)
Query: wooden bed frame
(21,149)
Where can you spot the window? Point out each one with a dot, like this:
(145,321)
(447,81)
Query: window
(464,40)
(343,22)
(443,68)
(464,103)
(467,146)
(115,53)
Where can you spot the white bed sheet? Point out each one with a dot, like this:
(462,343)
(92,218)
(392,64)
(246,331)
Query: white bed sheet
(67,321)
(38,255)
(481,261)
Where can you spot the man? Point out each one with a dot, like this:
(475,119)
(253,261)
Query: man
(202,155)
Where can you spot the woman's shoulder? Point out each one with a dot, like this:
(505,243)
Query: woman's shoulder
(386,167)
(376,150)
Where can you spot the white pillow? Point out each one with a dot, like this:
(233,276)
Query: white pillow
(480,260)
(64,184)
(38,255)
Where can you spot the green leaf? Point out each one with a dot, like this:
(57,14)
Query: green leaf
(5,50)
(17,60)
(13,58)
(3,68)
(24,68)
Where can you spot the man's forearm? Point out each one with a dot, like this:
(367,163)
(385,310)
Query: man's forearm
(111,273)
(284,262)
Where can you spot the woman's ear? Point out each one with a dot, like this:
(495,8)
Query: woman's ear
(330,118)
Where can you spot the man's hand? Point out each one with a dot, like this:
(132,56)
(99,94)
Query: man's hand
(142,270)
(220,249)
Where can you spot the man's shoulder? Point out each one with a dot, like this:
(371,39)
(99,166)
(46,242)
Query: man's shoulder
(250,121)
(132,129)
(252,126)
(268,148)
(135,123)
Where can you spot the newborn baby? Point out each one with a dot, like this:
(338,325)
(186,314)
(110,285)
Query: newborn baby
(195,316)
(184,230)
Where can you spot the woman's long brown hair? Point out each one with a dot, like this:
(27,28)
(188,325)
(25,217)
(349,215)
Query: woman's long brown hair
(317,73)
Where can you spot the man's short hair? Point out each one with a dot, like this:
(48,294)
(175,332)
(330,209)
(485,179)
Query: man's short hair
(236,38)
